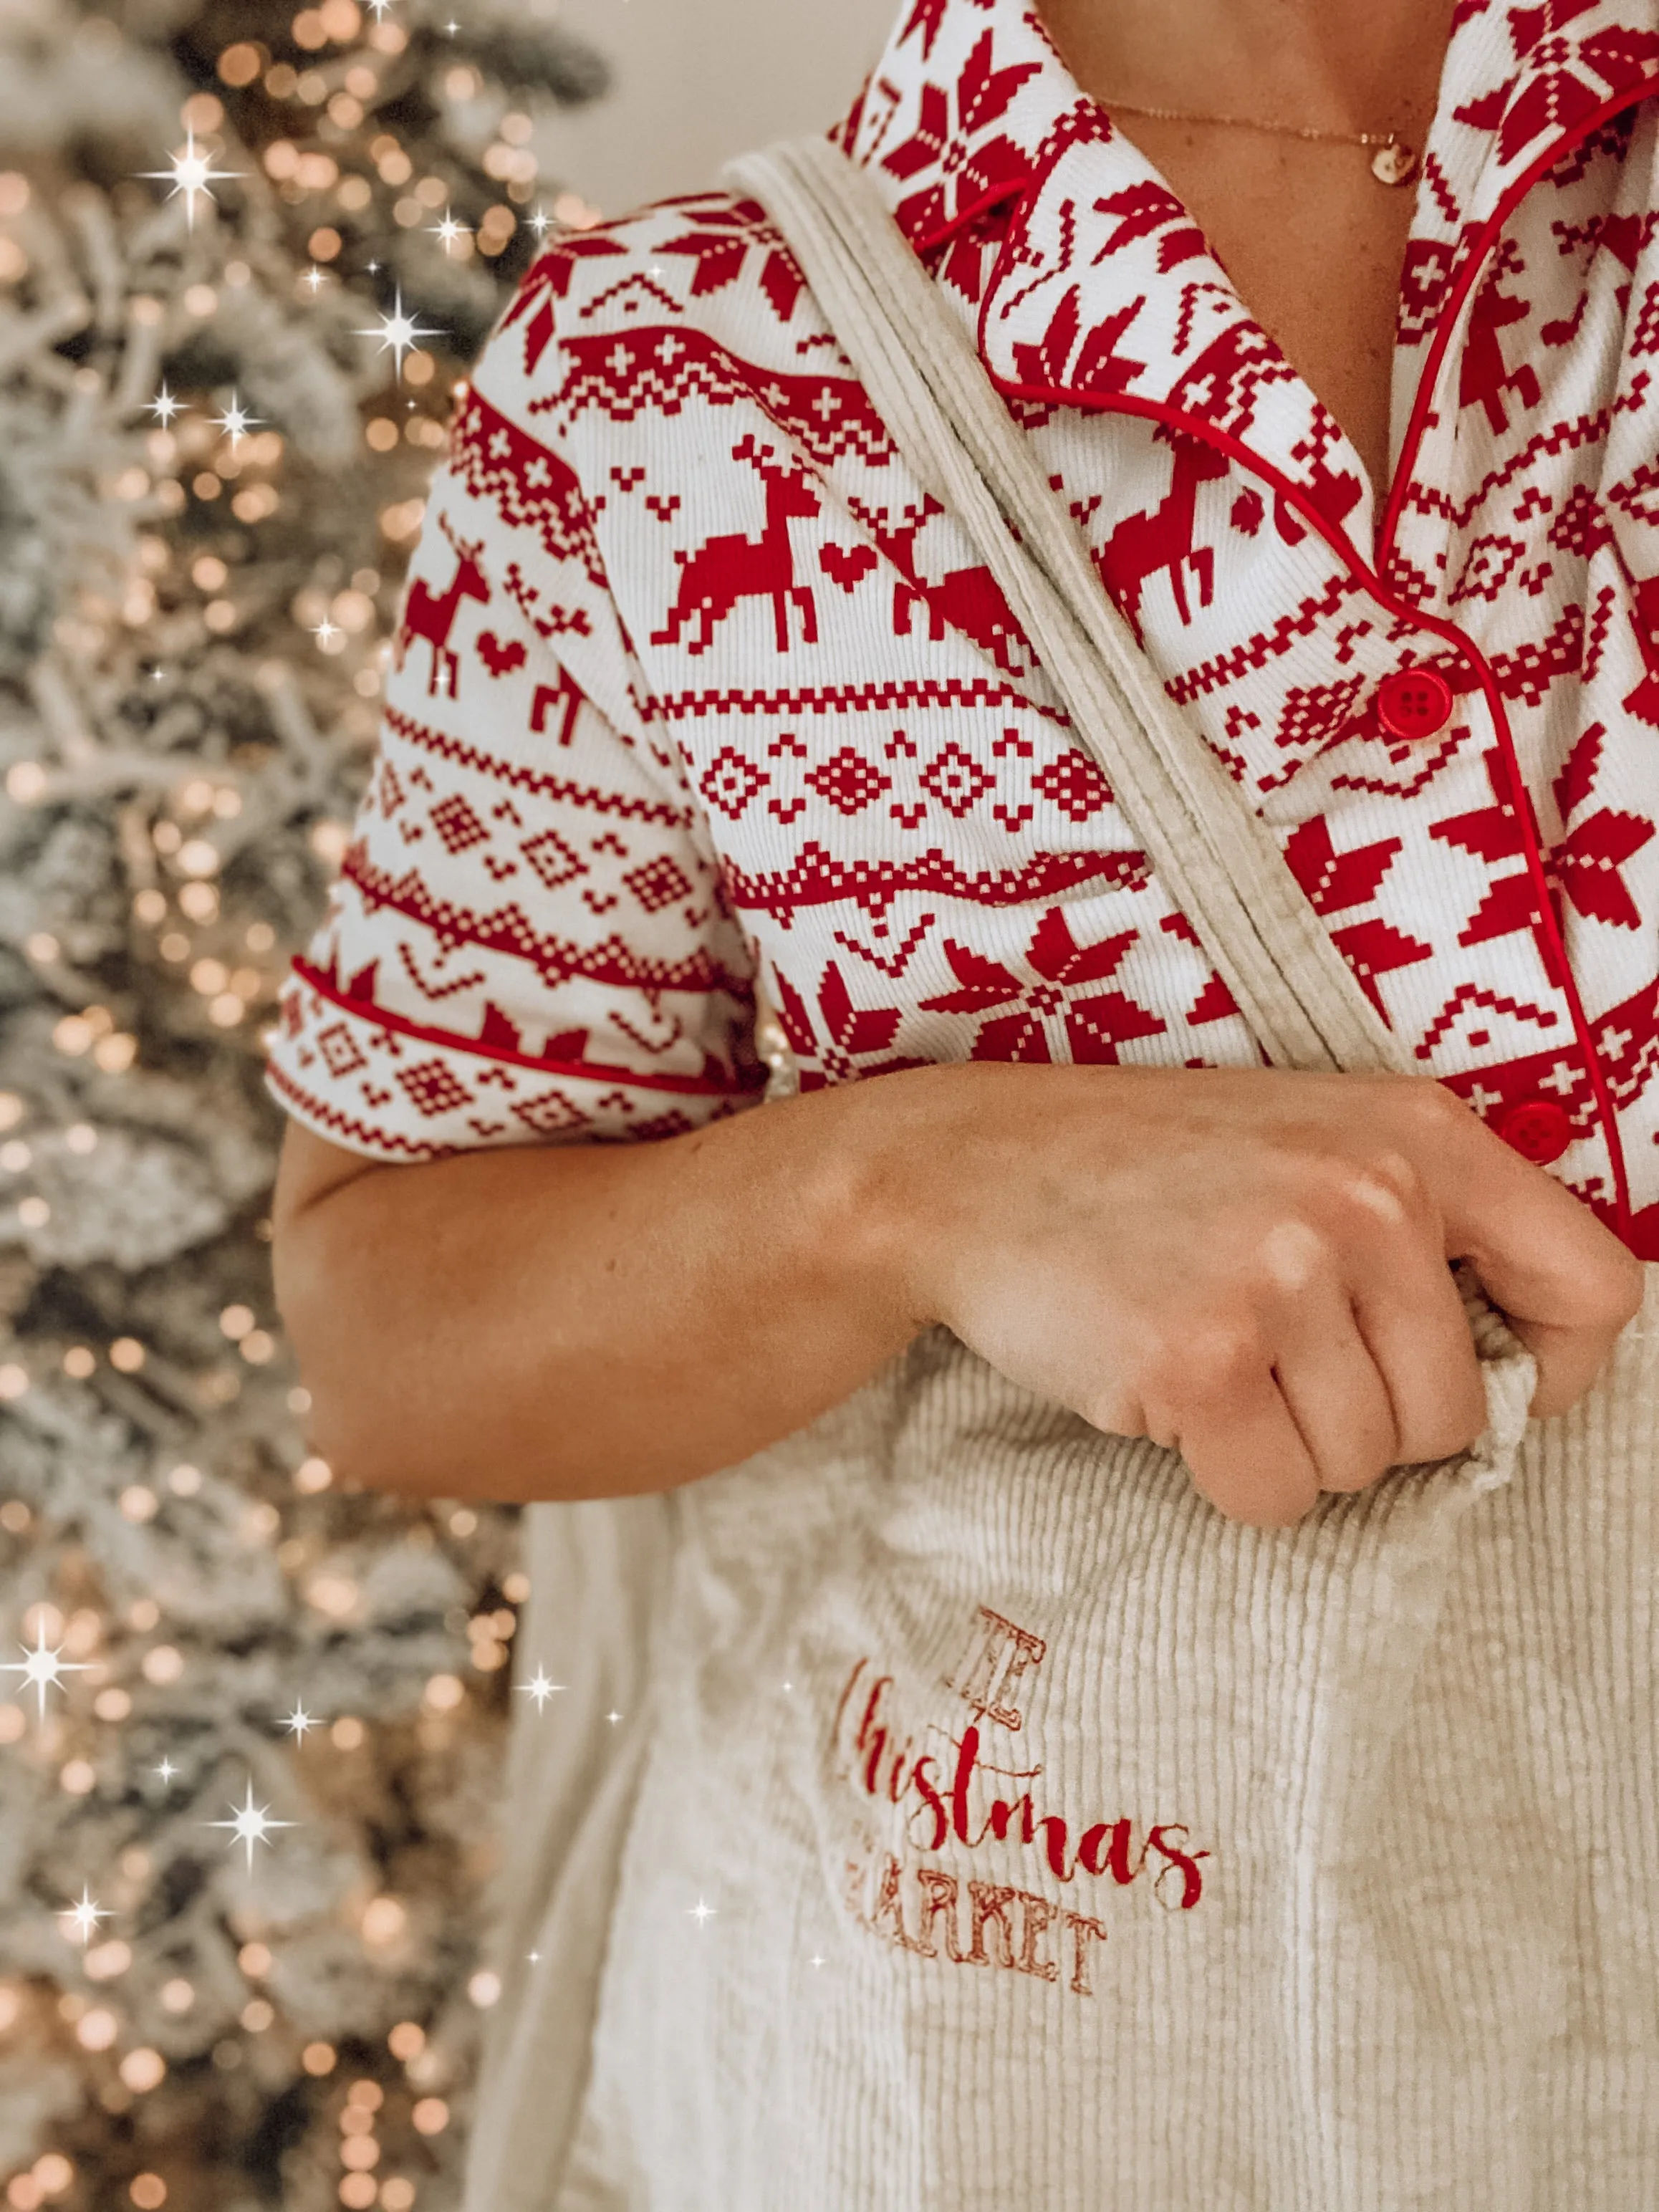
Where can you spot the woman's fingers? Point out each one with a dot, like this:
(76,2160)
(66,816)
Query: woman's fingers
(1569,1361)
(1416,1331)
(1567,1283)
(1253,1266)
(1338,1399)
(1348,1389)
(1246,1453)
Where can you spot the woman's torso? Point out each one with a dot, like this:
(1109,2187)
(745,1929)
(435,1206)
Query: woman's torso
(869,797)
(794,737)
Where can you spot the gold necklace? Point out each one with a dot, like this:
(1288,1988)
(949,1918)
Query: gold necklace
(1395,162)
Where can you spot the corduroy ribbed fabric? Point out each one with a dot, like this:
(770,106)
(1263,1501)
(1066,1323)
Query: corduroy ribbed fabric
(1415,1737)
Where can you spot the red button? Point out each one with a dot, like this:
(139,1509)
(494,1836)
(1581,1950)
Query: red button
(1540,1130)
(1414,703)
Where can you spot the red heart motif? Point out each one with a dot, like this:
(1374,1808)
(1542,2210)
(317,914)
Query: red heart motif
(846,564)
(500,659)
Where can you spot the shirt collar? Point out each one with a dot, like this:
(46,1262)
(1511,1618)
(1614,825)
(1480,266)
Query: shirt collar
(961,112)
(1518,84)
(971,102)
(972,110)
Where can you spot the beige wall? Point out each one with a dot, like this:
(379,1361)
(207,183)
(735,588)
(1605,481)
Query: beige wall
(697,81)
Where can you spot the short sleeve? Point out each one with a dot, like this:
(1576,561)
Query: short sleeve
(528,940)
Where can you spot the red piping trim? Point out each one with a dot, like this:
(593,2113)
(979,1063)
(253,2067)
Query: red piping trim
(1078,126)
(587,1071)
(1485,240)
(930,243)
(1157,411)
(1342,546)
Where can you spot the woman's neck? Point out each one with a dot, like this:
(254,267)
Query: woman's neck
(1329,64)
(1312,240)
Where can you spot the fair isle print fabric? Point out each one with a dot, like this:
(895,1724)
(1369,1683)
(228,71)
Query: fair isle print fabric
(698,687)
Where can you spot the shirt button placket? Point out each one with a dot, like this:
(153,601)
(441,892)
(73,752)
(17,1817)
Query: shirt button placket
(1413,704)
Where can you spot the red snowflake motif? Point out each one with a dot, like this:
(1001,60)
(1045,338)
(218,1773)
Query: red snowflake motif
(1142,210)
(1426,280)
(1552,100)
(962,261)
(1581,527)
(1215,1001)
(1093,1027)
(720,247)
(659,883)
(1498,832)
(1334,881)
(1585,866)
(1320,716)
(983,96)
(925,17)
(546,280)
(853,1033)
(1099,368)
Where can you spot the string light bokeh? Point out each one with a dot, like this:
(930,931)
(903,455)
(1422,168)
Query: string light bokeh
(241,281)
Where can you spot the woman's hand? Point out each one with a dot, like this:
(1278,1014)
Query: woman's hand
(1251,1267)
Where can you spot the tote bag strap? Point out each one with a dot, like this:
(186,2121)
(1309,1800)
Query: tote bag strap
(1214,855)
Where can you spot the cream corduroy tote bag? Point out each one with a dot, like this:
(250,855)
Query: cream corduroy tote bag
(1304,1870)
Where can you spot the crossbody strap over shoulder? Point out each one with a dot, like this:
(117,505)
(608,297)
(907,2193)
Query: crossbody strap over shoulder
(1214,855)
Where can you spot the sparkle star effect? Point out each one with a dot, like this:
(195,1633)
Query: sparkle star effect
(313,278)
(41,1666)
(85,1915)
(236,422)
(300,1720)
(539,1687)
(449,229)
(541,222)
(191,175)
(166,1770)
(378,7)
(326,632)
(251,1823)
(699,1913)
(398,331)
(164,407)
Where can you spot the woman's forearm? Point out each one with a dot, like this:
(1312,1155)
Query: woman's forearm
(585,1321)
(1248,1264)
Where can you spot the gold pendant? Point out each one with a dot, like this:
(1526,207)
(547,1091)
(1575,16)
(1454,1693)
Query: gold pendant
(1394,163)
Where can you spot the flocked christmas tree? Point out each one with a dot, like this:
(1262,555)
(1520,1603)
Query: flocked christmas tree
(243,261)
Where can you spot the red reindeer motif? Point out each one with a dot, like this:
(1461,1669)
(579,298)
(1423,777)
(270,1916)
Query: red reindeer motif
(726,569)
(1484,376)
(1146,545)
(432,616)
(969,600)
(565,697)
